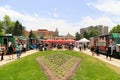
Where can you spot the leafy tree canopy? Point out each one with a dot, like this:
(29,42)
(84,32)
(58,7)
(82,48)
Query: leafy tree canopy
(93,33)
(77,36)
(115,29)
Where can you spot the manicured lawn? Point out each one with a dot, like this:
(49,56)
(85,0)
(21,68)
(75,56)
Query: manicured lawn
(90,68)
(60,65)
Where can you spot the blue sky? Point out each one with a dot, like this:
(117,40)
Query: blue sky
(66,15)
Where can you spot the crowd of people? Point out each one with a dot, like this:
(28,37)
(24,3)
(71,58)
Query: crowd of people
(110,50)
(21,47)
(18,49)
(47,46)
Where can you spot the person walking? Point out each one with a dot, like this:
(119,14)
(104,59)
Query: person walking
(84,46)
(2,52)
(18,50)
(24,47)
(97,50)
(10,51)
(92,50)
(80,46)
(108,51)
(112,50)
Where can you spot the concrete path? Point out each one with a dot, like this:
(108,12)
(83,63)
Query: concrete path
(6,57)
(113,61)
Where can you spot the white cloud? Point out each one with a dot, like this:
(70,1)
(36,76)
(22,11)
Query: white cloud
(34,22)
(55,13)
(107,6)
(89,21)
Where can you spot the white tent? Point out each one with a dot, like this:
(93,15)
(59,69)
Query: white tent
(84,40)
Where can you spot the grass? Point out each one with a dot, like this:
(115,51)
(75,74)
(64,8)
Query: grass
(90,68)
(59,63)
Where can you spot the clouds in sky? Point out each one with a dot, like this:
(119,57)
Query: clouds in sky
(110,9)
(88,21)
(107,6)
(34,22)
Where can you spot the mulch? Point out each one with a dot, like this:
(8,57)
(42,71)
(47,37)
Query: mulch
(51,76)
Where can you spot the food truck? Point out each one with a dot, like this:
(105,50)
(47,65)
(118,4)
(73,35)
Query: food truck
(103,41)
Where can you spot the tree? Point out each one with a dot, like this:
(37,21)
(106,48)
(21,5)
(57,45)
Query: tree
(56,32)
(1,28)
(6,24)
(93,33)
(31,35)
(85,35)
(77,36)
(115,29)
(18,29)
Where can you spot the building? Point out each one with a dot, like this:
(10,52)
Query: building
(44,33)
(103,29)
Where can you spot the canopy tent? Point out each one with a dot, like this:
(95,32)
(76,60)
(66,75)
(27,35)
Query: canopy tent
(84,40)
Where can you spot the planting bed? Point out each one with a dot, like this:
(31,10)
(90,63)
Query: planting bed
(58,66)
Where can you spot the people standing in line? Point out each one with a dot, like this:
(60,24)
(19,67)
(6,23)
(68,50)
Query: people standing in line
(10,51)
(18,50)
(92,50)
(97,50)
(2,52)
(84,47)
(80,46)
(112,50)
(21,48)
(45,46)
(41,46)
(108,51)
(24,47)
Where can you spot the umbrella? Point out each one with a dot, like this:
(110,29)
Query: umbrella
(49,40)
(59,40)
(69,40)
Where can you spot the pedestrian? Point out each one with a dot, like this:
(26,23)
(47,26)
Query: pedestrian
(84,46)
(2,52)
(112,50)
(108,51)
(80,46)
(41,46)
(10,51)
(97,50)
(24,47)
(92,50)
(45,46)
(21,48)
(18,50)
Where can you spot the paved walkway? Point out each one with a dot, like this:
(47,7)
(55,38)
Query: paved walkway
(113,61)
(6,57)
